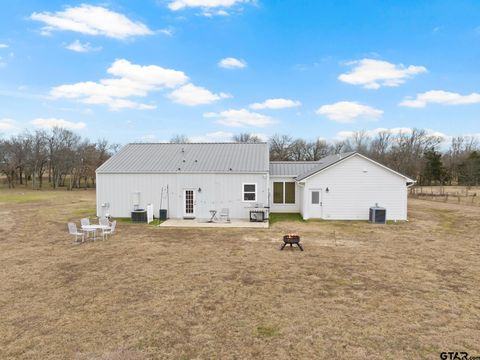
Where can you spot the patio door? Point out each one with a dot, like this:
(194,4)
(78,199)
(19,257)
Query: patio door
(188,203)
(316,204)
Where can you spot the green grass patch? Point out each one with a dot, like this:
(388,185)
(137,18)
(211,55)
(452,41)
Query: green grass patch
(278,217)
(86,212)
(127,220)
(20,197)
(123,220)
(267,330)
(393,222)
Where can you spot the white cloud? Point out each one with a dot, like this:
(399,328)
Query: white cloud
(372,74)
(77,46)
(91,20)
(275,104)
(210,14)
(217,136)
(117,104)
(441,97)
(167,31)
(240,118)
(49,123)
(349,111)
(131,80)
(206,4)
(7,125)
(232,63)
(3,46)
(150,75)
(192,95)
(342,135)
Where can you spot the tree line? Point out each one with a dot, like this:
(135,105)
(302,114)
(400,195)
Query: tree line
(418,154)
(59,156)
(63,158)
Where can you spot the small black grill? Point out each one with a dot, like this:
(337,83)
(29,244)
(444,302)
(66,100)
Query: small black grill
(257,215)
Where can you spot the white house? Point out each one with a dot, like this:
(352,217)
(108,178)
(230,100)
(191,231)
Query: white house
(188,180)
(338,187)
(191,179)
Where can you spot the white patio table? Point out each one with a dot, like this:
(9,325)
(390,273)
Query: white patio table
(94,228)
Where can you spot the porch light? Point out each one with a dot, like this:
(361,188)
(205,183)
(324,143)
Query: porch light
(327,190)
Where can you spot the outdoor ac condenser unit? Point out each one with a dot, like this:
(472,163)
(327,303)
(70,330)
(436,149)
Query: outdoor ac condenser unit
(378,215)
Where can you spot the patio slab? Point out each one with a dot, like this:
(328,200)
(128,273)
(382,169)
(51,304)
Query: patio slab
(203,223)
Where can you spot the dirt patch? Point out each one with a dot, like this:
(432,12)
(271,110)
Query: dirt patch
(6,222)
(406,290)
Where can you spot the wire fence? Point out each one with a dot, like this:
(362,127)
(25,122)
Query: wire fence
(467,195)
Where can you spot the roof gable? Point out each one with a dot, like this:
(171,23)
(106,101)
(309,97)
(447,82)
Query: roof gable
(341,157)
(324,163)
(189,157)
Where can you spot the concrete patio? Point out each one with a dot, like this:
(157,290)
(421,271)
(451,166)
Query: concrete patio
(204,223)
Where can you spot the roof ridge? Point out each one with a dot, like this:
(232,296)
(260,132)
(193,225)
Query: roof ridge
(294,161)
(197,143)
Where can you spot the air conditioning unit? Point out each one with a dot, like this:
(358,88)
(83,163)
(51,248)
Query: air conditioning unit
(378,215)
(257,216)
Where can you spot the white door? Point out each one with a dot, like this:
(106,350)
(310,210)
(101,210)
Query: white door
(316,204)
(188,203)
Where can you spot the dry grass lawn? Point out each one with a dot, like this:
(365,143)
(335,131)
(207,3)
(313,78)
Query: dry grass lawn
(400,291)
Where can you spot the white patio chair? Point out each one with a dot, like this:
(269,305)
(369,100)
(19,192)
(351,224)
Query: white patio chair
(110,230)
(225,214)
(86,222)
(72,229)
(104,221)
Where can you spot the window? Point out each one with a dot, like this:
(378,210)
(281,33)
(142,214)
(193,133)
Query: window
(289,193)
(315,197)
(278,192)
(284,192)
(249,192)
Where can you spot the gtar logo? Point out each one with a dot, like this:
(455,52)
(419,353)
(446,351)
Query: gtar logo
(454,355)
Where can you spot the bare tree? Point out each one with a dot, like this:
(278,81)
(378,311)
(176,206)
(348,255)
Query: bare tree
(359,141)
(280,146)
(179,139)
(38,158)
(28,156)
(246,138)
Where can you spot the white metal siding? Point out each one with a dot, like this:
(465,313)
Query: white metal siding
(285,208)
(356,184)
(217,191)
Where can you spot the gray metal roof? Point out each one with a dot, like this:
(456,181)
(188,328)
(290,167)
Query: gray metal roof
(189,157)
(291,168)
(324,163)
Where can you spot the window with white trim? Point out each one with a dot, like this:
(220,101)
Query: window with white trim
(249,192)
(284,192)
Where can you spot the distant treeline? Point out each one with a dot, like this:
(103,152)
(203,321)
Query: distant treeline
(64,158)
(59,156)
(417,153)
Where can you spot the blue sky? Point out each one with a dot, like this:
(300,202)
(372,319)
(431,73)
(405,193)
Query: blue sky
(142,71)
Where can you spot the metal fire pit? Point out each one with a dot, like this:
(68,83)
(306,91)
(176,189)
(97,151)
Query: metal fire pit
(291,239)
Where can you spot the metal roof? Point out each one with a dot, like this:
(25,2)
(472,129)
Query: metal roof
(188,157)
(291,168)
(324,163)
